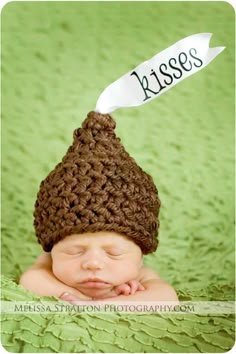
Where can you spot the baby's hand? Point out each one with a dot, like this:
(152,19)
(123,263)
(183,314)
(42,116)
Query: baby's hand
(128,288)
(74,299)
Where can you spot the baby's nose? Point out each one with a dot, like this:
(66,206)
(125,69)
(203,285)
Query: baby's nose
(93,261)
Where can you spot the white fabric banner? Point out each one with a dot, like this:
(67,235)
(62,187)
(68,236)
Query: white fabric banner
(157,75)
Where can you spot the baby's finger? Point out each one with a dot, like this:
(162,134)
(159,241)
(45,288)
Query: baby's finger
(73,299)
(133,286)
(123,289)
(140,287)
(126,290)
(118,289)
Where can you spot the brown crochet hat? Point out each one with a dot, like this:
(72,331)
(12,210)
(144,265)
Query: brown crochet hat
(97,187)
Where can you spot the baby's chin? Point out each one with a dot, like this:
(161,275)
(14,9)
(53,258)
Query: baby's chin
(95,293)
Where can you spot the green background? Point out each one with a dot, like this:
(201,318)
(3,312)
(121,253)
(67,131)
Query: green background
(57,57)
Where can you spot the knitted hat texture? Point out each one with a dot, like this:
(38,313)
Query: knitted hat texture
(98,186)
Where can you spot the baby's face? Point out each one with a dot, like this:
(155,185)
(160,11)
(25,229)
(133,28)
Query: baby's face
(96,262)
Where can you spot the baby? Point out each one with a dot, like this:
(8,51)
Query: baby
(94,266)
(96,215)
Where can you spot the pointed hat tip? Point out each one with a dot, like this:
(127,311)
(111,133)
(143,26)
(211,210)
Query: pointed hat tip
(99,121)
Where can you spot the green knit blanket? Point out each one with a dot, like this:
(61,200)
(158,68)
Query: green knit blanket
(117,332)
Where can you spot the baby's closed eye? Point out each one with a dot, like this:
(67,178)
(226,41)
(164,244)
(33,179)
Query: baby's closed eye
(74,251)
(114,252)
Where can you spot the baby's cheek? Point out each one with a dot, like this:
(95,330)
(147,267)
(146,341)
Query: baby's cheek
(62,272)
(128,270)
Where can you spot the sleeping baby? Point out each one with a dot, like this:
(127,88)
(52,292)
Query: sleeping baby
(96,215)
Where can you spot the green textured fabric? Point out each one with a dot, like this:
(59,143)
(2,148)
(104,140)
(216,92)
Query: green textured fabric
(117,332)
(57,57)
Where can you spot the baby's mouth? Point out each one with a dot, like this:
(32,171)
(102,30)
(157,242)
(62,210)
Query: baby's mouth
(94,283)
